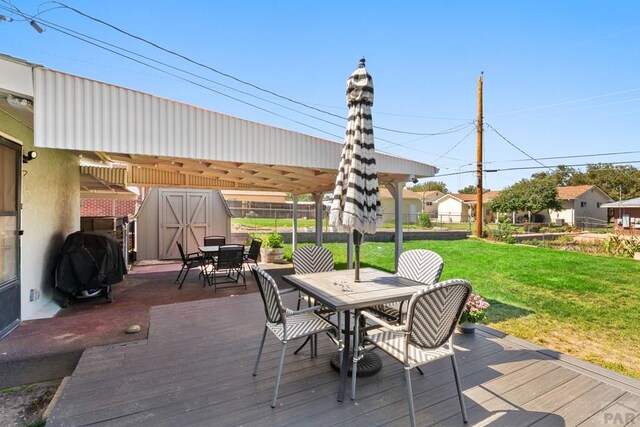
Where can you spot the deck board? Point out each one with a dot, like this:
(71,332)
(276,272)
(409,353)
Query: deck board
(196,366)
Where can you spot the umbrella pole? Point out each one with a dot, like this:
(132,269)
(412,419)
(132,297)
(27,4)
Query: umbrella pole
(357,240)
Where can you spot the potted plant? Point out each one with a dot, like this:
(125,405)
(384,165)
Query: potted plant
(474,312)
(272,250)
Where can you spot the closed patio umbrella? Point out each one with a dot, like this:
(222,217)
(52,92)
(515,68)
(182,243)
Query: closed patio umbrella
(356,201)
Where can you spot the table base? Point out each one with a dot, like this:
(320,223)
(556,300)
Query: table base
(369,365)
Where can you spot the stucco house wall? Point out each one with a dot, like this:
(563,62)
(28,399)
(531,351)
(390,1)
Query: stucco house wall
(50,212)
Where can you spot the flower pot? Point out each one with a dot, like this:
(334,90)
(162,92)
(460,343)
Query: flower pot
(467,327)
(272,255)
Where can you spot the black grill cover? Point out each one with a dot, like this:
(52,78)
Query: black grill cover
(89,260)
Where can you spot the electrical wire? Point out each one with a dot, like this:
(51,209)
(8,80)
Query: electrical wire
(83,37)
(230,76)
(517,148)
(565,157)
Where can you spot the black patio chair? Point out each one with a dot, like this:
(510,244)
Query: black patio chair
(228,265)
(426,336)
(215,241)
(189,261)
(254,252)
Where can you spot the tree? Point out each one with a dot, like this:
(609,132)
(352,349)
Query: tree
(471,189)
(430,186)
(621,181)
(301,197)
(562,175)
(528,195)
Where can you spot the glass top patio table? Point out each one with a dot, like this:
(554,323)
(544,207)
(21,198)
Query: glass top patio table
(339,291)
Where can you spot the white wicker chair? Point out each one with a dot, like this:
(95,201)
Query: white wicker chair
(421,265)
(432,316)
(285,324)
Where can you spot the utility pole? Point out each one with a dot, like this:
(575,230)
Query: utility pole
(479,209)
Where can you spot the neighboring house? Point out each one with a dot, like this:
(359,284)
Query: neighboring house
(626,214)
(429,205)
(458,207)
(411,206)
(581,206)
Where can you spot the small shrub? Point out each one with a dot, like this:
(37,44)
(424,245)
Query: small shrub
(622,246)
(424,221)
(504,233)
(272,240)
(534,228)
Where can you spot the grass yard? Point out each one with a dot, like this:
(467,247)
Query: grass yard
(584,305)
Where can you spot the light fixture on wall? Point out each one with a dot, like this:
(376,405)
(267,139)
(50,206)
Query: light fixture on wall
(26,158)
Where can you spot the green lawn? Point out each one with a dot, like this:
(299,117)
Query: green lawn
(580,304)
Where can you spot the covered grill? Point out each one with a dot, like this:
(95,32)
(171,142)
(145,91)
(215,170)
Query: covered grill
(89,264)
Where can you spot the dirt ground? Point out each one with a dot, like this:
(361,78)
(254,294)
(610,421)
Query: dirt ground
(25,405)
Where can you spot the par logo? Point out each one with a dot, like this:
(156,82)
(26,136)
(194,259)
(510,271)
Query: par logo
(623,413)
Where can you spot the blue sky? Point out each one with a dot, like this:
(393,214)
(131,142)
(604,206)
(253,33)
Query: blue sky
(561,78)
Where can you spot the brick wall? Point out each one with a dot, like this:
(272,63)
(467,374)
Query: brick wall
(108,207)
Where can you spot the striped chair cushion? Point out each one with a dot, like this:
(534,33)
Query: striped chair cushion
(300,325)
(393,343)
(312,259)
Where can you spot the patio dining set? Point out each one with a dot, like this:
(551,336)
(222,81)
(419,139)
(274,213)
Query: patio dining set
(219,264)
(362,315)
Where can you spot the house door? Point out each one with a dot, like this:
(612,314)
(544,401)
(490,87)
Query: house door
(184,219)
(9,240)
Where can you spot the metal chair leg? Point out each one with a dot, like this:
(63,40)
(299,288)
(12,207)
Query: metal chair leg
(275,393)
(356,355)
(412,415)
(264,335)
(459,387)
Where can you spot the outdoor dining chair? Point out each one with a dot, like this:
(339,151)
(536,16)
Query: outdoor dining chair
(421,265)
(312,259)
(432,316)
(227,267)
(285,324)
(189,261)
(215,241)
(254,252)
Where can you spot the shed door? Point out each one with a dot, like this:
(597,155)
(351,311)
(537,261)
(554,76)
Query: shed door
(10,155)
(184,219)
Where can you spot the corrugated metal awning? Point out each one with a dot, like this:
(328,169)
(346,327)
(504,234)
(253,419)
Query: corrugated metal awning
(169,144)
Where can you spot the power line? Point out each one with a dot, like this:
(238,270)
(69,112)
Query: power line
(535,167)
(573,101)
(83,37)
(517,148)
(567,157)
(230,76)
(557,166)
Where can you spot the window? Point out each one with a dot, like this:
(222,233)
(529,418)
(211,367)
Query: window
(429,203)
(583,204)
(598,204)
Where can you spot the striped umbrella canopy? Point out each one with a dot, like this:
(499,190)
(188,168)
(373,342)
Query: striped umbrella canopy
(356,201)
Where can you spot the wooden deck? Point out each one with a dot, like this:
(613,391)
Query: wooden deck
(195,369)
